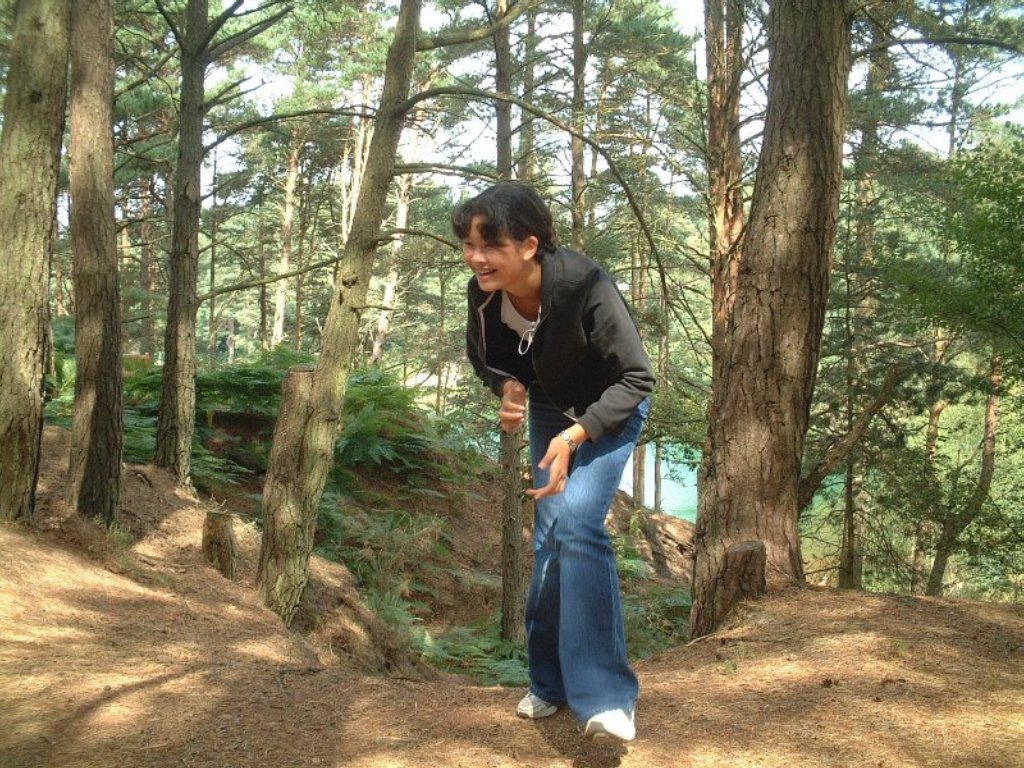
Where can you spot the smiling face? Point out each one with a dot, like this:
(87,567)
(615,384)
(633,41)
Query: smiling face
(509,265)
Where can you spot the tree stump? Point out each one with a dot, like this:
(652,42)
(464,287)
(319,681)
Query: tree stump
(742,576)
(219,542)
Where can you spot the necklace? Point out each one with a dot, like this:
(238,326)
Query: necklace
(526,340)
(525,329)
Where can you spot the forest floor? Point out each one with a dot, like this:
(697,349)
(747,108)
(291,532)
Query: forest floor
(137,654)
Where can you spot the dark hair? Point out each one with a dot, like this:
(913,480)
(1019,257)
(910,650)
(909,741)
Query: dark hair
(507,210)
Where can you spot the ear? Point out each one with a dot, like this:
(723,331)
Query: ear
(530,246)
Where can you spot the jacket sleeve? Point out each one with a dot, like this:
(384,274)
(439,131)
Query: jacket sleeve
(614,336)
(474,345)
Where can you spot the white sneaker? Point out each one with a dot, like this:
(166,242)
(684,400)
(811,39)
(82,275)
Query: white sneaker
(613,724)
(533,707)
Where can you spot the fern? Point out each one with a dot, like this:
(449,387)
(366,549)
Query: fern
(477,651)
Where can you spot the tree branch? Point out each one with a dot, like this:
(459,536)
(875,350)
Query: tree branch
(474,34)
(256,122)
(951,40)
(170,23)
(483,95)
(838,451)
(258,281)
(233,41)
(218,23)
(450,170)
(227,93)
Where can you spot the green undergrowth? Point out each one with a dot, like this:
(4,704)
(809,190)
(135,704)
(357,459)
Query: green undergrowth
(385,513)
(478,651)
(657,615)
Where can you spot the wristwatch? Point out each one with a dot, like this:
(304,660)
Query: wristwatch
(573,445)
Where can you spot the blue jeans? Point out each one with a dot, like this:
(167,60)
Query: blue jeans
(575,636)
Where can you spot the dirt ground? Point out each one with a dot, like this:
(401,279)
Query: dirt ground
(139,655)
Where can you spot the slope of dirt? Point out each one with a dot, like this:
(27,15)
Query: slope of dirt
(141,655)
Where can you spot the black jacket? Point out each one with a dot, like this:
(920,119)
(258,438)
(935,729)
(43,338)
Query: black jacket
(587,355)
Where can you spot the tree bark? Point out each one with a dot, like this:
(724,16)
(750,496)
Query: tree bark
(33,125)
(503,84)
(261,257)
(764,379)
(638,297)
(860,304)
(94,469)
(308,425)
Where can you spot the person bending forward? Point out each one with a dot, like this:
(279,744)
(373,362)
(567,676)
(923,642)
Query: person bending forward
(548,323)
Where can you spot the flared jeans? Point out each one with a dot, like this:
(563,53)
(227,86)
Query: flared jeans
(575,635)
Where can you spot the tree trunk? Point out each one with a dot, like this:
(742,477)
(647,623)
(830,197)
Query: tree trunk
(923,529)
(763,380)
(513,587)
(33,125)
(723,30)
(579,116)
(954,525)
(860,303)
(659,450)
(527,131)
(851,557)
(287,223)
(94,469)
(389,299)
(513,566)
(309,424)
(640,474)
(261,257)
(638,296)
(659,464)
(443,276)
(211,304)
(232,329)
(147,342)
(176,417)
(300,284)
(503,84)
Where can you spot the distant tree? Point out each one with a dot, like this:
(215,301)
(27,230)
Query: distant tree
(979,295)
(986,224)
(33,126)
(196,35)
